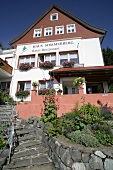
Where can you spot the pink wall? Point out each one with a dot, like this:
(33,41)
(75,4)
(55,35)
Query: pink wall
(65,103)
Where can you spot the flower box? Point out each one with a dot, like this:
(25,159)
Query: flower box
(67,64)
(46,65)
(25,66)
(22,94)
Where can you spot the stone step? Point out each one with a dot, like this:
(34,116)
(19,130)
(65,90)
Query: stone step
(48,166)
(26,137)
(24,131)
(34,161)
(29,152)
(28,144)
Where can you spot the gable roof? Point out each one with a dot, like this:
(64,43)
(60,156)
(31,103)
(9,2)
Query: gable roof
(68,14)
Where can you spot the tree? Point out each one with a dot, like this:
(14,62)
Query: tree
(1,46)
(108,56)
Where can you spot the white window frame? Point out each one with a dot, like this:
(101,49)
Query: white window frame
(37,30)
(47,30)
(46,84)
(25,59)
(59,28)
(71,25)
(25,85)
(67,58)
(50,57)
(51,16)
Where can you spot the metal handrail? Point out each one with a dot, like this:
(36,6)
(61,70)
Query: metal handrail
(9,132)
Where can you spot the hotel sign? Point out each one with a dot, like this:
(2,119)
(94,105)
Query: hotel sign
(50,46)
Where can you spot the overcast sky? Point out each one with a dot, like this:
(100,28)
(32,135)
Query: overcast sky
(17,15)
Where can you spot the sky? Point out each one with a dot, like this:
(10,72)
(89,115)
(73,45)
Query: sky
(18,15)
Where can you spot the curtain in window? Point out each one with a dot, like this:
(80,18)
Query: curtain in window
(53,58)
(28,86)
(21,60)
(63,58)
(47,57)
(42,85)
(73,57)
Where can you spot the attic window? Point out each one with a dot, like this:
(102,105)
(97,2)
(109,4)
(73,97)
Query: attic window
(71,28)
(54,17)
(37,33)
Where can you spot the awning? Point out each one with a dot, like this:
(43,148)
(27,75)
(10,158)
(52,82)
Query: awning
(91,74)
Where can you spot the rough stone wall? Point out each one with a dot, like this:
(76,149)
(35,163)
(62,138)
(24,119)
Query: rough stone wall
(67,157)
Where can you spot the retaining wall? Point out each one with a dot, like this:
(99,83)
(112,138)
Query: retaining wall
(69,156)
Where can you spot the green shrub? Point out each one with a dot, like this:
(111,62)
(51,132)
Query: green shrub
(104,138)
(31,119)
(90,113)
(111,88)
(70,115)
(60,127)
(84,137)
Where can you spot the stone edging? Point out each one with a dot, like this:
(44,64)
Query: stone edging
(66,156)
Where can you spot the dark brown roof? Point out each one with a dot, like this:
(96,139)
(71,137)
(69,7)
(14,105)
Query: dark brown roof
(79,69)
(92,28)
(91,74)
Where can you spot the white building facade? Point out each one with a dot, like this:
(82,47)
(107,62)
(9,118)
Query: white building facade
(57,36)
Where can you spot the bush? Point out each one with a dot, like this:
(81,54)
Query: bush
(60,127)
(111,88)
(84,137)
(90,113)
(31,119)
(104,138)
(46,91)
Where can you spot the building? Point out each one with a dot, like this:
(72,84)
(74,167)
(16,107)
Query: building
(58,36)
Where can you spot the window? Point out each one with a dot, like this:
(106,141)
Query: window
(71,28)
(22,85)
(73,90)
(54,17)
(48,84)
(59,30)
(5,85)
(28,59)
(48,31)
(48,57)
(70,56)
(37,33)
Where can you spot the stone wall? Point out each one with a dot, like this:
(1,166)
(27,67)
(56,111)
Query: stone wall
(68,156)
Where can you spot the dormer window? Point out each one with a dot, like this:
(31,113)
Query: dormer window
(71,28)
(54,17)
(37,33)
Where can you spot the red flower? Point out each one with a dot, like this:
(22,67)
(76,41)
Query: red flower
(15,117)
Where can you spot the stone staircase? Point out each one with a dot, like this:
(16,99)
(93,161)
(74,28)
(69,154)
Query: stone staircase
(30,154)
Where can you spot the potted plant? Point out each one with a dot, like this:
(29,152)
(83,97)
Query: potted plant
(46,65)
(67,64)
(25,66)
(59,92)
(35,84)
(22,94)
(78,81)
